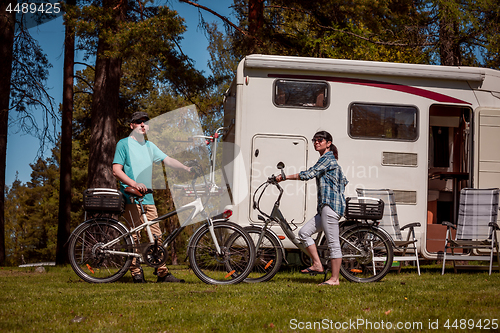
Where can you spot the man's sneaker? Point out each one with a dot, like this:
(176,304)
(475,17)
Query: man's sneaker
(169,278)
(139,278)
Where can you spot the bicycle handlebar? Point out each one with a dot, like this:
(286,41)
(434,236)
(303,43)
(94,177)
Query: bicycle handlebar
(271,180)
(194,165)
(209,138)
(135,192)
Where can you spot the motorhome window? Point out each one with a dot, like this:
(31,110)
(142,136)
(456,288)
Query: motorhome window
(304,94)
(386,122)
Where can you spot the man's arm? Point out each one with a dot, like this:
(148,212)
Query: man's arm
(173,163)
(121,176)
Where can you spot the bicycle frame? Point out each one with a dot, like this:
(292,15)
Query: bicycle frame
(196,206)
(277,216)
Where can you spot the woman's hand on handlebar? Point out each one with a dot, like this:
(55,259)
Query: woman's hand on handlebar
(280,178)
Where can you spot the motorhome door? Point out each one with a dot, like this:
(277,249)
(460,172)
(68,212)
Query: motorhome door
(487,154)
(267,152)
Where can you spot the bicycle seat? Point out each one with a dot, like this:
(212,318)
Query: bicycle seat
(135,192)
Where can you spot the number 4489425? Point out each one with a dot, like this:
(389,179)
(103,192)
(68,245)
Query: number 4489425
(484,324)
(42,8)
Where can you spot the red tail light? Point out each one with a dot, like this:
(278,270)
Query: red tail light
(227,213)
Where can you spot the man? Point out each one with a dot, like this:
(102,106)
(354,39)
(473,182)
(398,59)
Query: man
(133,166)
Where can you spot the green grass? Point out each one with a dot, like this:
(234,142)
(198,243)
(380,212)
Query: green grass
(58,301)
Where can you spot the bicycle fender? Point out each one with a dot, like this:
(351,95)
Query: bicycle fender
(81,225)
(203,226)
(275,236)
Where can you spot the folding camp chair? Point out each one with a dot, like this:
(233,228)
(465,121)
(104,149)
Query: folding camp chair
(476,227)
(390,224)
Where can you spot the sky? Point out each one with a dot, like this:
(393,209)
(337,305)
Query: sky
(22,148)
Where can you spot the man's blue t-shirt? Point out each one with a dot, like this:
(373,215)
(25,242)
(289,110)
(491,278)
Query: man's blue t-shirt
(137,159)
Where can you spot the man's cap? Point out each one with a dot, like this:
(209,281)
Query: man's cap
(139,115)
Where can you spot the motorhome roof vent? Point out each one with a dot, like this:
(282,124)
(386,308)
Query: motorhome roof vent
(399,159)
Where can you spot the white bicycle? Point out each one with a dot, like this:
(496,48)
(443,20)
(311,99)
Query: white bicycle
(101,249)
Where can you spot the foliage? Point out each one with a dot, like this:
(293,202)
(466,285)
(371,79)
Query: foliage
(31,209)
(223,63)
(491,41)
(461,33)
(153,68)
(382,31)
(146,39)
(57,301)
(443,32)
(30,213)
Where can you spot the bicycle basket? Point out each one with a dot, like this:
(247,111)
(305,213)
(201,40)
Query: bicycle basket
(103,199)
(364,208)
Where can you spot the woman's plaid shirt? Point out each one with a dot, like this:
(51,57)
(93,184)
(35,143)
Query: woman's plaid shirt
(330,182)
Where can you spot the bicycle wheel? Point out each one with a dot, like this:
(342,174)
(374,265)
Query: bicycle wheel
(305,260)
(234,262)
(268,257)
(90,259)
(367,254)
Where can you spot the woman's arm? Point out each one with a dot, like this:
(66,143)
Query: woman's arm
(290,177)
(322,165)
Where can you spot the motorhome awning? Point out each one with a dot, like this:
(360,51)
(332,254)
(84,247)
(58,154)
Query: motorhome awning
(470,74)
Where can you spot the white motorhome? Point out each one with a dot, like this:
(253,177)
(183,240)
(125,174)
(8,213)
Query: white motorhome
(423,131)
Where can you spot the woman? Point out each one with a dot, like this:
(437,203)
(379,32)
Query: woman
(330,182)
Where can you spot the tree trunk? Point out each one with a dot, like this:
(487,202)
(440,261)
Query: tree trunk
(103,124)
(7,26)
(64,220)
(449,48)
(255,23)
(105,105)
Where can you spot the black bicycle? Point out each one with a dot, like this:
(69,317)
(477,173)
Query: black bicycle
(367,252)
